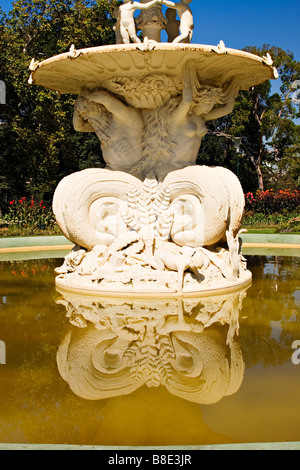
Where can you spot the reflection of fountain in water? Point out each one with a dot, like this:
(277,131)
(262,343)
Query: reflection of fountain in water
(114,347)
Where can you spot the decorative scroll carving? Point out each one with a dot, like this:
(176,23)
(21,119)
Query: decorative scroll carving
(147,92)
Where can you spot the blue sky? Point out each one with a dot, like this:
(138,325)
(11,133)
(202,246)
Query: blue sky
(241,24)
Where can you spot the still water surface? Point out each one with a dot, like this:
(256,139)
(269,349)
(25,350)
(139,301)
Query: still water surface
(136,373)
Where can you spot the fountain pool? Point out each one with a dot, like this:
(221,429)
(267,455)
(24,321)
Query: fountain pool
(204,371)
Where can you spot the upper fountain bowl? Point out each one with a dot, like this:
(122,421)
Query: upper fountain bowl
(108,67)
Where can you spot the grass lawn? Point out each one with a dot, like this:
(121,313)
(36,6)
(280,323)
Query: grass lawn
(55,231)
(268,229)
(261,229)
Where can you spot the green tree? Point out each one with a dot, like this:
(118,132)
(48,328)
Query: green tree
(265,121)
(38,143)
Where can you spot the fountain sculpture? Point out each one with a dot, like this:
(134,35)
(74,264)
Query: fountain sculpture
(152,222)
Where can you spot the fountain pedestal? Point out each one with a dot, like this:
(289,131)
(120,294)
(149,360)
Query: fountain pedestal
(151,22)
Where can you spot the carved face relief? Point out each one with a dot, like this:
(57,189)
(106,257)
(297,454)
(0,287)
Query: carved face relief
(105,216)
(188,224)
(206,98)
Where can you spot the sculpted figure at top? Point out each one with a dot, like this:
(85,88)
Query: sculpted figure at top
(116,28)
(172,26)
(126,18)
(186,19)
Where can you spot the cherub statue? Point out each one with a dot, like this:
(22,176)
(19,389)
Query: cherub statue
(126,18)
(186,19)
(116,28)
(172,26)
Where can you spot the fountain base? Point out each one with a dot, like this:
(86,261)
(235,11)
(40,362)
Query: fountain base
(143,281)
(76,284)
(137,237)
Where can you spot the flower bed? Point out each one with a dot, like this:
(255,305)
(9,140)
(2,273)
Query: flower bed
(280,209)
(27,217)
(272,202)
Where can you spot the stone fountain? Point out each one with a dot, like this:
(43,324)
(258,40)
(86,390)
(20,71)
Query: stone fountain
(152,223)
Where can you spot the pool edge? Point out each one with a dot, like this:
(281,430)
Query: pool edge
(246,446)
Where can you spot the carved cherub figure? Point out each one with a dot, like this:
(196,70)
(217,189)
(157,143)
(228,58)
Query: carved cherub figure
(127,25)
(186,19)
(116,28)
(172,26)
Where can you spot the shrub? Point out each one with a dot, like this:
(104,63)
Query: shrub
(272,202)
(258,218)
(28,215)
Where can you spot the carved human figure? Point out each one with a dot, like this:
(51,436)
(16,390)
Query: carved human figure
(127,25)
(172,26)
(119,127)
(116,28)
(186,126)
(186,19)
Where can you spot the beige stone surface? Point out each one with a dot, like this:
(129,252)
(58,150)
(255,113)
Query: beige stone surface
(180,235)
(152,220)
(92,68)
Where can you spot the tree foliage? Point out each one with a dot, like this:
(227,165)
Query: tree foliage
(39,145)
(265,121)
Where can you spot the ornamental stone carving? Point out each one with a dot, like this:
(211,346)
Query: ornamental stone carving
(152,222)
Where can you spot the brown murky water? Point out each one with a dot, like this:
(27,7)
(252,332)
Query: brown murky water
(136,373)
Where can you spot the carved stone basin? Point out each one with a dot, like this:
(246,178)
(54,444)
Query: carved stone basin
(86,69)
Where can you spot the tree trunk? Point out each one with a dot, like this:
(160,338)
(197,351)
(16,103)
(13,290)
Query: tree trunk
(256,162)
(257,166)
(259,177)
